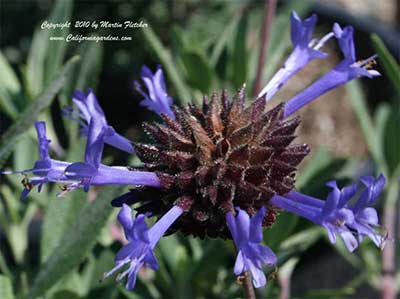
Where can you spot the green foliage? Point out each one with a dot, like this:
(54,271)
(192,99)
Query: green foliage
(31,113)
(6,291)
(76,242)
(391,67)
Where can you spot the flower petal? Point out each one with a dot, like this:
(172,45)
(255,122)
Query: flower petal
(118,141)
(256,235)
(259,279)
(349,240)
(79,171)
(240,265)
(140,230)
(125,218)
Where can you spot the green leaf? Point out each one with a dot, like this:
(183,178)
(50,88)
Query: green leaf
(166,60)
(90,68)
(103,263)
(172,251)
(45,56)
(281,229)
(360,108)
(30,114)
(76,243)
(392,141)
(329,293)
(320,160)
(56,49)
(85,74)
(34,73)
(6,291)
(224,38)
(3,264)
(239,55)
(391,67)
(66,294)
(60,215)
(25,152)
(199,72)
(9,87)
(303,239)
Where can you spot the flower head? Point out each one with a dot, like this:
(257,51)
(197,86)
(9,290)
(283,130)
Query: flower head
(247,234)
(337,214)
(139,250)
(157,99)
(90,111)
(217,157)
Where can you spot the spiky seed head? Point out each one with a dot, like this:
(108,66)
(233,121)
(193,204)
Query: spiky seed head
(221,155)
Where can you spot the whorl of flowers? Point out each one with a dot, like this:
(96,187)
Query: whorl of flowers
(222,169)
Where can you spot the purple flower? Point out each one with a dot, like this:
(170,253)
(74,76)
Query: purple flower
(141,244)
(92,172)
(247,233)
(156,99)
(89,109)
(345,71)
(80,174)
(367,217)
(305,50)
(45,169)
(337,215)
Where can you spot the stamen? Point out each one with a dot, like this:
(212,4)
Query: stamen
(367,63)
(313,42)
(273,274)
(17,171)
(73,115)
(26,183)
(323,40)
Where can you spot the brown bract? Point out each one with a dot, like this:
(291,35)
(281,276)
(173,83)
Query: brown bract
(217,157)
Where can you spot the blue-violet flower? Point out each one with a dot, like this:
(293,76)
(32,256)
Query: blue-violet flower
(142,241)
(157,99)
(89,109)
(247,234)
(336,214)
(305,50)
(345,71)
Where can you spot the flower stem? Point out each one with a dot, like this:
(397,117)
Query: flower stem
(389,252)
(269,12)
(248,286)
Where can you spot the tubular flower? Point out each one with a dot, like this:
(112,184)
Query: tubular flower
(337,215)
(345,71)
(142,241)
(45,169)
(89,109)
(80,174)
(305,50)
(247,233)
(92,172)
(157,99)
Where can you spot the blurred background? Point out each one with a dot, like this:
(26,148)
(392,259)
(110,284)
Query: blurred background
(59,248)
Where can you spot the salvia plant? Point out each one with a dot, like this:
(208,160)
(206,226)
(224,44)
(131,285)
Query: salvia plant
(222,169)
